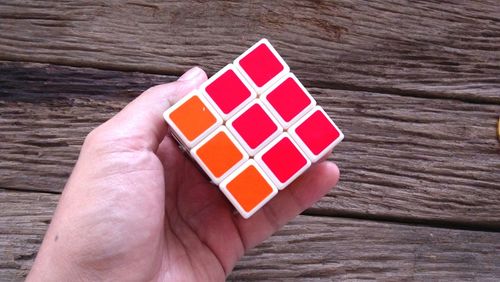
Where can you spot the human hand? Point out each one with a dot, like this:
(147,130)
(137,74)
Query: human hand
(135,208)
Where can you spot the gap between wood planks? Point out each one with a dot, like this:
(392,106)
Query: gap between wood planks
(444,224)
(317,84)
(426,48)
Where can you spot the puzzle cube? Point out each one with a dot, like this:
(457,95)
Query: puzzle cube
(192,119)
(253,128)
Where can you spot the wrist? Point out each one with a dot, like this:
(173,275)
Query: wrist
(52,263)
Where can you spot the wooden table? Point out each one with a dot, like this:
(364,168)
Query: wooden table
(414,85)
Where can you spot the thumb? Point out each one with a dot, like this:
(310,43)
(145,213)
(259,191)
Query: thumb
(142,120)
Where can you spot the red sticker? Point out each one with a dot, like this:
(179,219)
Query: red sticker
(284,159)
(254,126)
(228,91)
(261,65)
(317,132)
(288,99)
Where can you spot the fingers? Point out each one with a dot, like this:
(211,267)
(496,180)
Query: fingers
(142,119)
(290,202)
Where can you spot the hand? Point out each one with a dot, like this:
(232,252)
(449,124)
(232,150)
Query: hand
(136,209)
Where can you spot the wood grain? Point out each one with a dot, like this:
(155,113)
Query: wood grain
(404,158)
(415,86)
(24,218)
(307,248)
(410,48)
(335,249)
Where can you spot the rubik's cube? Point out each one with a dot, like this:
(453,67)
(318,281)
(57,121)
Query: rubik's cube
(253,128)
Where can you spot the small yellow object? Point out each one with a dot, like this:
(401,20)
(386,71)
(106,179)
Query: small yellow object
(498,129)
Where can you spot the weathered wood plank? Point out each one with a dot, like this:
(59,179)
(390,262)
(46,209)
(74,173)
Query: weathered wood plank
(345,249)
(24,218)
(416,48)
(403,158)
(308,247)
(45,117)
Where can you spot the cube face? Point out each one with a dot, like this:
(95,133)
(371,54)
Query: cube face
(283,161)
(192,119)
(288,100)
(316,133)
(228,91)
(248,188)
(219,154)
(261,65)
(254,127)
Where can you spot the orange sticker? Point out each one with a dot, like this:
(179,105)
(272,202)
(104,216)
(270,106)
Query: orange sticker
(192,118)
(219,154)
(249,188)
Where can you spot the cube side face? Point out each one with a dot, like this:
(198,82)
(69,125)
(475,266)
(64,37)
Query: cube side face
(261,65)
(283,161)
(288,100)
(219,154)
(316,134)
(192,119)
(248,188)
(228,91)
(254,127)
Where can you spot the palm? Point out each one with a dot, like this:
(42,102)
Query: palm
(209,236)
(199,226)
(135,208)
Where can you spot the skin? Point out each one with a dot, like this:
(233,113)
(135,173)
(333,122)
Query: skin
(136,209)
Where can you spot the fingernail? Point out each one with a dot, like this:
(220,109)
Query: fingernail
(190,74)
